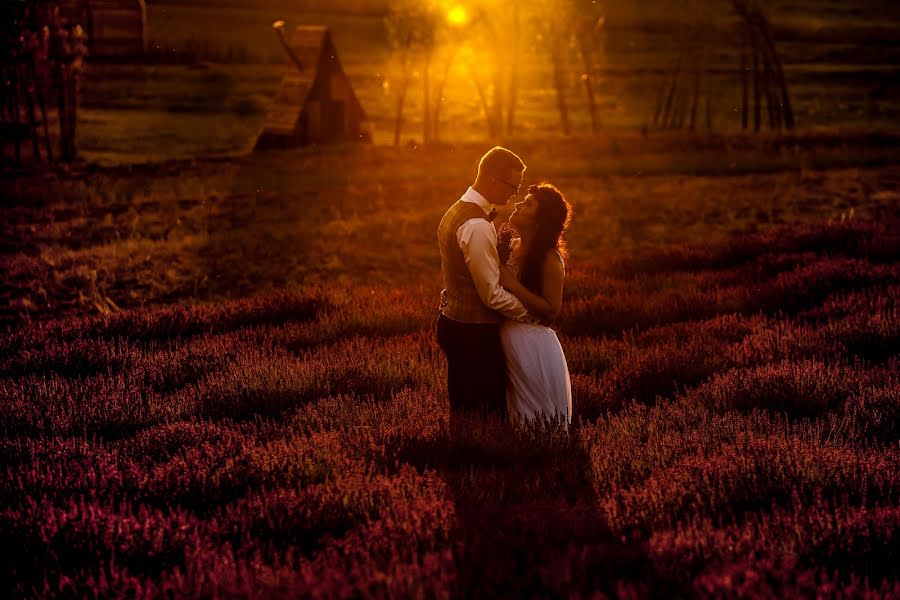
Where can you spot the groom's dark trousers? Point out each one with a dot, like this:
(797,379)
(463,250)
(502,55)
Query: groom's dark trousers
(476,367)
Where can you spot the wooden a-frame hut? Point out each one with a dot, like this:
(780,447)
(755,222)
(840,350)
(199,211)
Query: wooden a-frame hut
(315,103)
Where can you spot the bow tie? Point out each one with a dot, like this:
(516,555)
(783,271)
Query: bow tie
(492,215)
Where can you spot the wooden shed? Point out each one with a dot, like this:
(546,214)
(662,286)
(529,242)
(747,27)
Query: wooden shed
(114,28)
(315,103)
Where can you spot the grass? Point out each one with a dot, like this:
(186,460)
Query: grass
(220,378)
(152,235)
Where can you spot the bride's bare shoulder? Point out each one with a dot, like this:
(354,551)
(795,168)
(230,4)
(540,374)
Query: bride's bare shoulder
(554,256)
(554,260)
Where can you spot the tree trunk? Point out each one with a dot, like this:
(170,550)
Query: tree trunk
(398,123)
(767,79)
(587,59)
(695,100)
(745,42)
(678,121)
(4,119)
(787,111)
(559,83)
(660,102)
(426,100)
(17,117)
(61,108)
(73,115)
(439,96)
(708,114)
(401,100)
(42,105)
(488,115)
(513,94)
(670,98)
(28,90)
(756,90)
(497,106)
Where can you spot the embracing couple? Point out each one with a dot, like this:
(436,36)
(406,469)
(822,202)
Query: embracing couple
(494,327)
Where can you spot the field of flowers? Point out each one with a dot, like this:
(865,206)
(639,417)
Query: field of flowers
(737,417)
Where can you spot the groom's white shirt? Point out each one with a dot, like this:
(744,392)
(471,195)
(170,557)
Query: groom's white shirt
(478,241)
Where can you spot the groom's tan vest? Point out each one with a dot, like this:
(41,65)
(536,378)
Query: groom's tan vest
(461,297)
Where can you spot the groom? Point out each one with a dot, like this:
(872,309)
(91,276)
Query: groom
(473,302)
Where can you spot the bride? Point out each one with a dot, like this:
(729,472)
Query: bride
(538,377)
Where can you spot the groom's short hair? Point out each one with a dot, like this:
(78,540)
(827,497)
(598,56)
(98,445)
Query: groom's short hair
(498,162)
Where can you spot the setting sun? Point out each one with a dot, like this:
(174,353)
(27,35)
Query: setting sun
(457,15)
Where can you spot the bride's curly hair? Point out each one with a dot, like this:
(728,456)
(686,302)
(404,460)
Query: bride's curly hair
(552,219)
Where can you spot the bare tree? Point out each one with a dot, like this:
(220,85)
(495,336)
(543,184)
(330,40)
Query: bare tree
(486,36)
(493,127)
(554,23)
(439,90)
(590,27)
(498,30)
(515,61)
(424,40)
(410,28)
(439,58)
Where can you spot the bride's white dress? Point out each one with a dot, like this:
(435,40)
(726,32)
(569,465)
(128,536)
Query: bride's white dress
(538,385)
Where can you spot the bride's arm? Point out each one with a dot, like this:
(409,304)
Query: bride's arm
(547,304)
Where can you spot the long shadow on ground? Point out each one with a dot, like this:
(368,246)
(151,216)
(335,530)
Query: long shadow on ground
(527,520)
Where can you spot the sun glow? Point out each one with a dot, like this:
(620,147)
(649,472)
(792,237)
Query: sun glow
(457,15)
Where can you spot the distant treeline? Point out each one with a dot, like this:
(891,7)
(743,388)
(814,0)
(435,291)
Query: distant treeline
(360,7)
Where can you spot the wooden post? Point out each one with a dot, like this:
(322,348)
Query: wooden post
(695,99)
(57,57)
(708,114)
(760,26)
(28,94)
(73,81)
(768,72)
(678,121)
(278,27)
(657,114)
(16,115)
(786,109)
(40,80)
(745,42)
(754,49)
(699,56)
(5,119)
(670,98)
(771,109)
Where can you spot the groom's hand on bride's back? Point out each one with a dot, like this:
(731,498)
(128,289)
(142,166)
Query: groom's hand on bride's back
(506,277)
